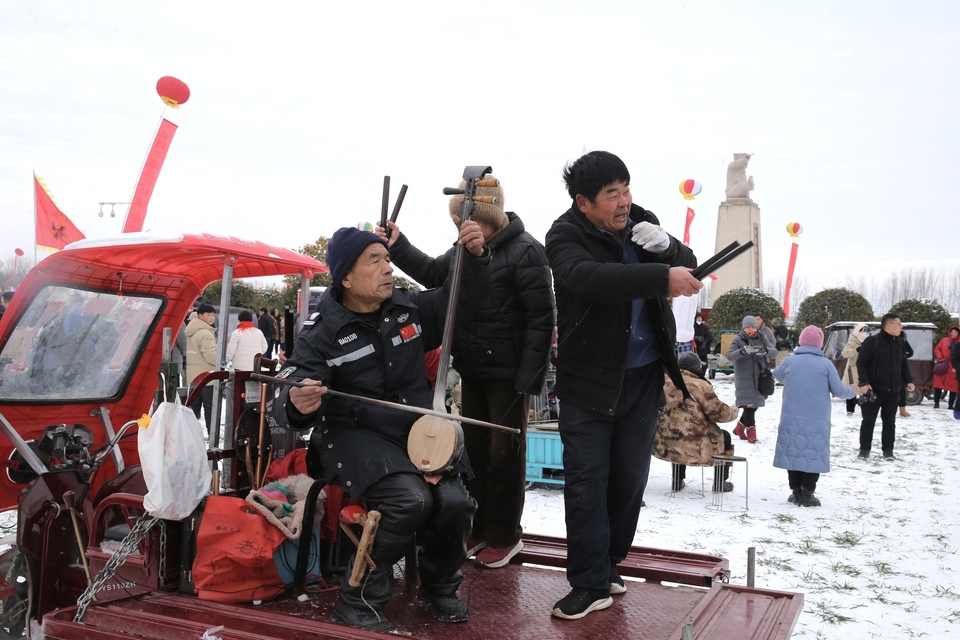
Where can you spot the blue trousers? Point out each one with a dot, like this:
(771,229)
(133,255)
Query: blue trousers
(606,462)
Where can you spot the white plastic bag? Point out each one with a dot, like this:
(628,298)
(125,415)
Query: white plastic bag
(173,457)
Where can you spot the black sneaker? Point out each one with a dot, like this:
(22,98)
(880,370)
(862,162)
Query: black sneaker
(444,608)
(617,585)
(365,618)
(888,455)
(864,454)
(580,602)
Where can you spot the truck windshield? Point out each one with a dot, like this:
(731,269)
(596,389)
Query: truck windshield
(72,344)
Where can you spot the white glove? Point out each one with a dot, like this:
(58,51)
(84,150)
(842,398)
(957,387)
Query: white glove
(651,237)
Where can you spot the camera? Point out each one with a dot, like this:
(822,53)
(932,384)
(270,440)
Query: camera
(869,396)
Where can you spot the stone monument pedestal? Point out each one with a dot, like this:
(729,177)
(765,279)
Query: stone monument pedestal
(738,219)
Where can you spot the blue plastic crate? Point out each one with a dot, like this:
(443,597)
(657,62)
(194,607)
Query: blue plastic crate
(544,457)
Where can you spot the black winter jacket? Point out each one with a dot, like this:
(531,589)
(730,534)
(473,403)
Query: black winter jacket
(594,292)
(510,335)
(355,443)
(882,362)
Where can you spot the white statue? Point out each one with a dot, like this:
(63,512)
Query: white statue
(738,184)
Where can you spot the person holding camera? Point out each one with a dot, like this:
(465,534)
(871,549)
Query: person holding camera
(749,353)
(851,351)
(882,368)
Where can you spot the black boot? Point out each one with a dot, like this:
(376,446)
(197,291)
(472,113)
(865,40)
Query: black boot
(794,498)
(808,499)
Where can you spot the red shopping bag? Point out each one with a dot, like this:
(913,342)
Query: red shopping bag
(235,546)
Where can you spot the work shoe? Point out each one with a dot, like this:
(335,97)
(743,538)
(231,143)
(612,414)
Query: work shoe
(617,585)
(722,487)
(740,430)
(808,499)
(444,608)
(496,557)
(365,618)
(904,413)
(474,546)
(888,455)
(864,454)
(580,602)
(751,435)
(794,498)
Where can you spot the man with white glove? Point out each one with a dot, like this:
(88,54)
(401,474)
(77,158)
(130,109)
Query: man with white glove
(651,237)
(617,336)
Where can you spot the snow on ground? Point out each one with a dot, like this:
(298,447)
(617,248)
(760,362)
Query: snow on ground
(879,559)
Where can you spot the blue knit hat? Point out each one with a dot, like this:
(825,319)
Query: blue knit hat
(344,248)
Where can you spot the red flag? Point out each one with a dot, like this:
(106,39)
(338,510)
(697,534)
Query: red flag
(54,228)
(137,212)
(686,228)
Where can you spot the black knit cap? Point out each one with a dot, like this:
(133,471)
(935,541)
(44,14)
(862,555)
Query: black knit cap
(691,362)
(344,248)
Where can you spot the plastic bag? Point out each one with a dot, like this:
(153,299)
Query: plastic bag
(173,457)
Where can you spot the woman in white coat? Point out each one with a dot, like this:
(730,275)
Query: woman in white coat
(245,343)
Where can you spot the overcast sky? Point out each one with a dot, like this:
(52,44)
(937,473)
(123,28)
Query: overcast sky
(298,110)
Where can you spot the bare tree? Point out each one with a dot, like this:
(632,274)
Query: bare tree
(777,288)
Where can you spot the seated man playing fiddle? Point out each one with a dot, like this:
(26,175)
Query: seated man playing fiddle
(368,339)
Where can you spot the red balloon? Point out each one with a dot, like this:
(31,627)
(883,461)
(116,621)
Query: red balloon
(18,251)
(172,91)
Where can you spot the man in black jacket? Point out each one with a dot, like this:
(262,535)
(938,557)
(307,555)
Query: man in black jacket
(268,327)
(613,267)
(883,368)
(501,353)
(368,338)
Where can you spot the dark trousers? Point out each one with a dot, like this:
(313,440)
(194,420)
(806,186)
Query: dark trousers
(439,515)
(942,393)
(851,405)
(748,417)
(679,471)
(886,406)
(803,480)
(498,458)
(206,402)
(606,462)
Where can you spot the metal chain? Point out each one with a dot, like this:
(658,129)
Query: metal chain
(129,544)
(163,553)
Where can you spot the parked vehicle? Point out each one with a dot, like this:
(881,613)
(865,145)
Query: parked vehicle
(920,335)
(717,361)
(82,357)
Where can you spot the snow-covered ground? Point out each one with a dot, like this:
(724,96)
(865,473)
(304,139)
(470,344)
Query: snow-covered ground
(879,559)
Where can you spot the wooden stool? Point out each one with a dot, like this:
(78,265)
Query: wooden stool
(350,516)
(719,462)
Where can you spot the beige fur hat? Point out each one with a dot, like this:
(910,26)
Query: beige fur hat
(492,214)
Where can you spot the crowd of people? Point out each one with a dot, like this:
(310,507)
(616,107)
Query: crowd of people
(604,277)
